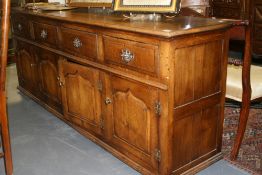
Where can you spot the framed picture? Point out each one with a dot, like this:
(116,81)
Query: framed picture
(90,3)
(158,6)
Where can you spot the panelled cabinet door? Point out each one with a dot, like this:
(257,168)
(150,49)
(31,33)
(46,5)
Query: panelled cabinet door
(26,67)
(81,94)
(133,121)
(49,80)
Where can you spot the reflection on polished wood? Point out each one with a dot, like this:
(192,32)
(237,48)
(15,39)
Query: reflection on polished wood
(150,92)
(165,28)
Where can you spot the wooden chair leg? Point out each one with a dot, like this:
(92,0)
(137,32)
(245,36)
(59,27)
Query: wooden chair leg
(5,26)
(246,95)
(244,113)
(6,140)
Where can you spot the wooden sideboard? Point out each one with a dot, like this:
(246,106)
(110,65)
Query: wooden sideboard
(151,93)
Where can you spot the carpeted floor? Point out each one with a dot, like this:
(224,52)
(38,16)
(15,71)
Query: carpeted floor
(250,154)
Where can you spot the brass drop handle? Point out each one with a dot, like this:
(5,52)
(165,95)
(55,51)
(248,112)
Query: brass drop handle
(43,34)
(32,64)
(108,101)
(61,84)
(127,55)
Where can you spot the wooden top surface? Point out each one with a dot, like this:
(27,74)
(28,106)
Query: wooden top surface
(167,28)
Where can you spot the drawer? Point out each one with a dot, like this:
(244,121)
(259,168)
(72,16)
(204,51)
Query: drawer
(227,2)
(219,1)
(257,2)
(45,34)
(257,47)
(79,43)
(258,32)
(258,13)
(131,54)
(221,12)
(233,2)
(20,26)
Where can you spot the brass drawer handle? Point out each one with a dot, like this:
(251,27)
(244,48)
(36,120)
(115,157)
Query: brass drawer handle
(43,34)
(127,55)
(77,42)
(20,27)
(32,65)
(108,101)
(61,84)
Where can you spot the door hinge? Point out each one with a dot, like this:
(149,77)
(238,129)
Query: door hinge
(100,85)
(158,155)
(102,123)
(158,108)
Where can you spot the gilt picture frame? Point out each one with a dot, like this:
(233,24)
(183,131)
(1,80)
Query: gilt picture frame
(157,6)
(90,3)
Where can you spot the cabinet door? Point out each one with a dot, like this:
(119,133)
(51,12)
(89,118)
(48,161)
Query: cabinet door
(81,94)
(133,121)
(49,78)
(26,67)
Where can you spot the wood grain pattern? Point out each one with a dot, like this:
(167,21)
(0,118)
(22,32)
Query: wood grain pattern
(133,123)
(27,67)
(21,26)
(45,34)
(196,106)
(5,26)
(246,95)
(201,78)
(166,28)
(87,41)
(48,78)
(256,20)
(82,96)
(145,55)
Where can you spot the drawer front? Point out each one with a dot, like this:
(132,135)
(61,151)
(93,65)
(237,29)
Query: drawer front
(233,2)
(258,32)
(227,2)
(222,12)
(131,54)
(20,26)
(257,2)
(45,34)
(257,48)
(203,10)
(258,13)
(79,43)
